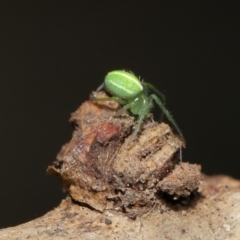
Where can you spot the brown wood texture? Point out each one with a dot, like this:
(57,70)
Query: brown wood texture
(125,188)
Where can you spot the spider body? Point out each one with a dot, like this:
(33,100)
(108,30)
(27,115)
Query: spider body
(133,94)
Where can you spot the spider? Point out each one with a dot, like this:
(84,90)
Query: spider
(133,94)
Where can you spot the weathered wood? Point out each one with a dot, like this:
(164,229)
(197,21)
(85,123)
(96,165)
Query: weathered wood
(125,188)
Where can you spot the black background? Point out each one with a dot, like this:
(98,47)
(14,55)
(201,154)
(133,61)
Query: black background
(54,53)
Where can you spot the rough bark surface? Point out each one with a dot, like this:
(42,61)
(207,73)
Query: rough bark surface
(125,188)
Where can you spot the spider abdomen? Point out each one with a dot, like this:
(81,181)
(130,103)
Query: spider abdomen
(122,84)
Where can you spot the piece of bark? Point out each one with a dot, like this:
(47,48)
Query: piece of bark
(125,188)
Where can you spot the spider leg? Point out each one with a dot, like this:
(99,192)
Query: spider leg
(100,87)
(116,99)
(167,113)
(126,107)
(138,126)
(161,96)
(151,87)
(142,115)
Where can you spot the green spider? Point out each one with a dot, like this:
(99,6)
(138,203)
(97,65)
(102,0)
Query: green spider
(129,91)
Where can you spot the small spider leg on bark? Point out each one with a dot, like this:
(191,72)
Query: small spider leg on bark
(144,111)
(166,112)
(125,107)
(100,87)
(160,95)
(170,118)
(116,99)
(151,87)
(180,153)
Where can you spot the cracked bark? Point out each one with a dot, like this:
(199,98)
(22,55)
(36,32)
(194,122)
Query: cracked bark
(124,188)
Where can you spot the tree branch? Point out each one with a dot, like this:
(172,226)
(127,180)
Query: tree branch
(125,188)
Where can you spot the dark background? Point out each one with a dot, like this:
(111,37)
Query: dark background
(54,53)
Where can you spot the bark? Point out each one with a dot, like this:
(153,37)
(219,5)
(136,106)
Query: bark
(122,187)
